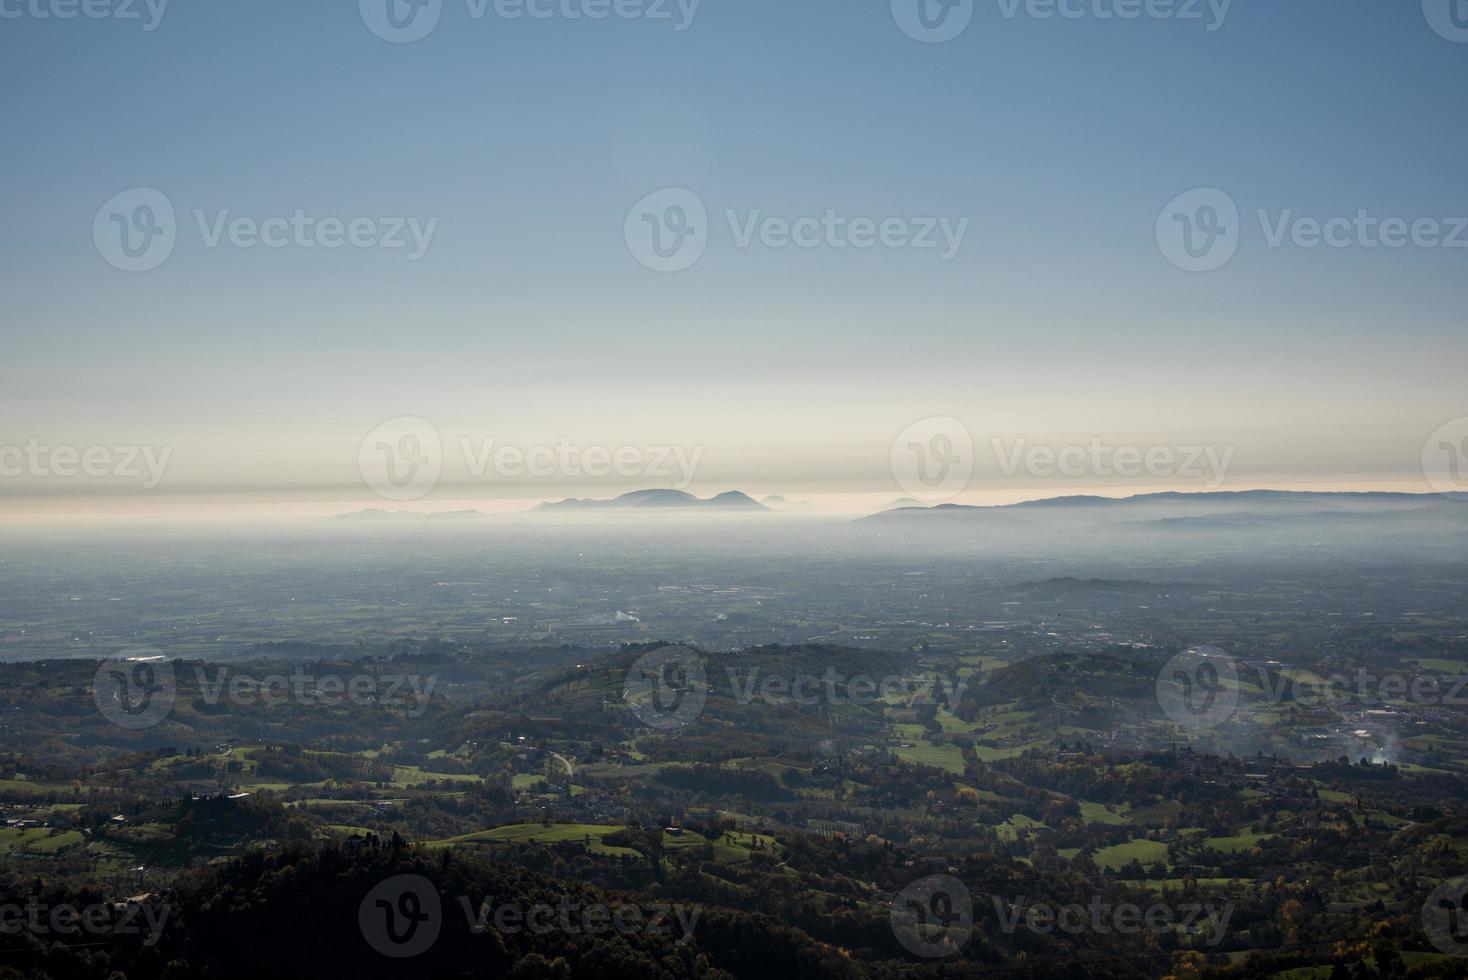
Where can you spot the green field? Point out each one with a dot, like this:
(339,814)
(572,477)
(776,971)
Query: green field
(729,849)
(1119,855)
(22,784)
(36,841)
(1009,829)
(533,833)
(1098,813)
(1236,844)
(405,776)
(1454,667)
(988,754)
(948,757)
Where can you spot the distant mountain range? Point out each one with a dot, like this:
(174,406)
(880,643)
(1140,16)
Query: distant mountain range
(1240,517)
(1160,512)
(1241,496)
(1183,504)
(777,502)
(733,500)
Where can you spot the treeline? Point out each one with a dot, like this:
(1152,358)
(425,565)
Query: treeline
(296,913)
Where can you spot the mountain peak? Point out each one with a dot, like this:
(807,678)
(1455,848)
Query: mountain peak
(735,498)
(657,499)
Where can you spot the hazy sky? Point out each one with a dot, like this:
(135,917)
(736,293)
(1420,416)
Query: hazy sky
(518,147)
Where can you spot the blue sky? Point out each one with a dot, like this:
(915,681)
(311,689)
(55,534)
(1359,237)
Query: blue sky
(528,141)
